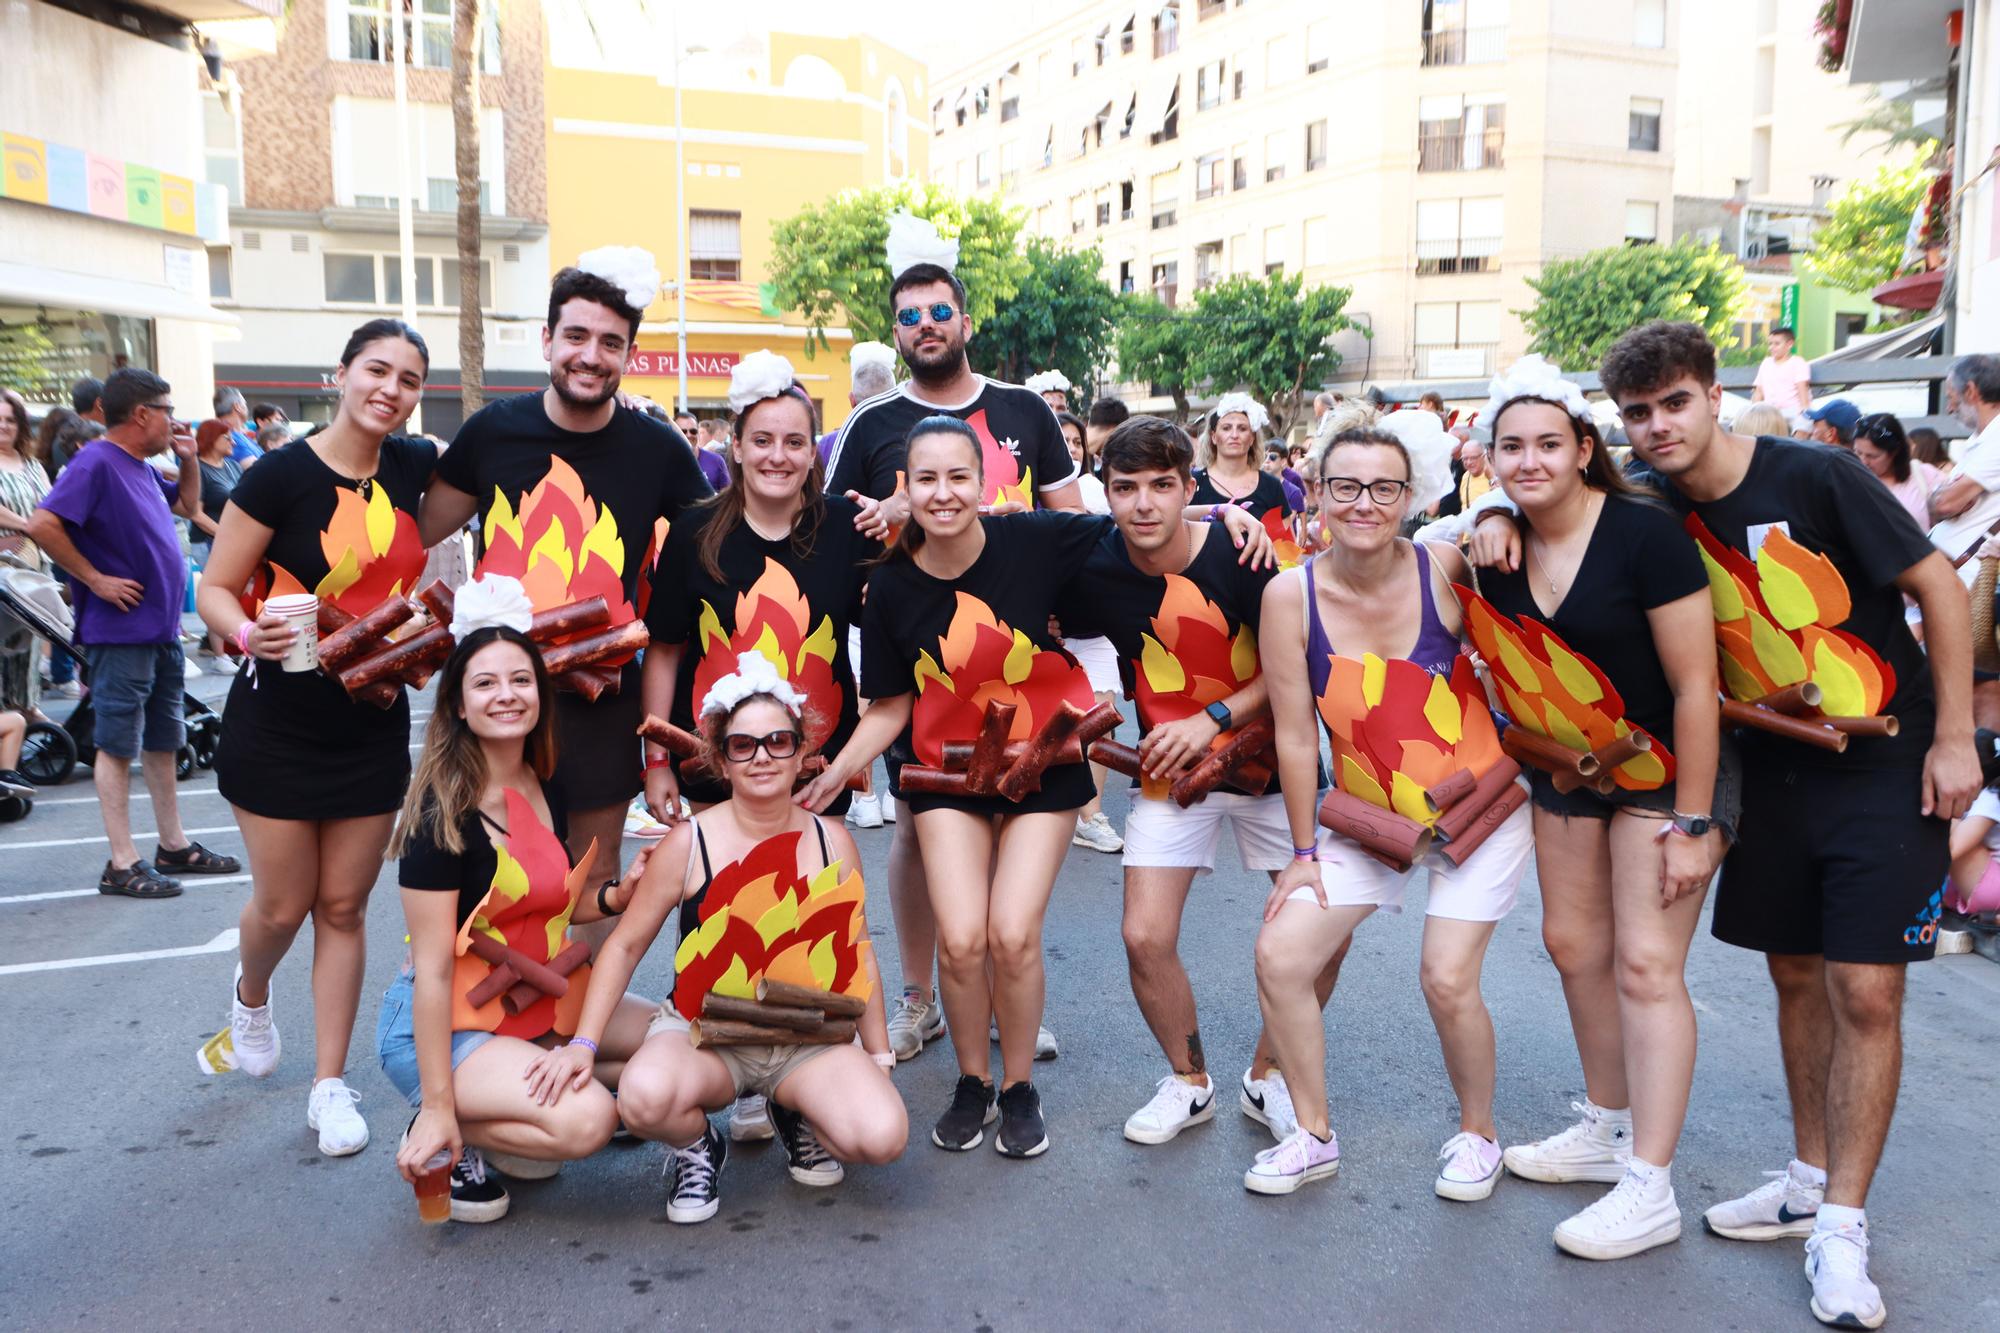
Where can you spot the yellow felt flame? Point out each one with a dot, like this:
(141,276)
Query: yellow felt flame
(380,520)
(344,574)
(779,918)
(735,980)
(1776,653)
(1645,769)
(1785,593)
(1441,711)
(1571,674)
(1406,798)
(1020,659)
(1374,675)
(1243,654)
(820,644)
(773,651)
(553,548)
(708,629)
(1841,689)
(1562,729)
(1515,662)
(500,518)
(603,540)
(927,670)
(1162,668)
(1738,680)
(1357,781)
(824,965)
(1722,589)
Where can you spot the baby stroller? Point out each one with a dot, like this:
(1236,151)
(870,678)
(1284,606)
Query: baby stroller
(31,602)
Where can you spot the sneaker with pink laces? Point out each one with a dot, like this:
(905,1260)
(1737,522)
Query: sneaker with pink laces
(1468,1167)
(1298,1159)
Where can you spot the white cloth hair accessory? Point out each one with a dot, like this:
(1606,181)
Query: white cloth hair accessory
(1533,377)
(914,240)
(491,599)
(626,267)
(1050,381)
(1431,447)
(1248,406)
(754,675)
(760,375)
(871,354)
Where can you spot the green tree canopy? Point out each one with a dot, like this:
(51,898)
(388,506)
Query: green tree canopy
(1063,316)
(1584,305)
(1272,336)
(1156,346)
(827,260)
(1861,246)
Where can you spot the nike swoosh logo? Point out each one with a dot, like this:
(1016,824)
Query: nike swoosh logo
(1256,1098)
(1786,1216)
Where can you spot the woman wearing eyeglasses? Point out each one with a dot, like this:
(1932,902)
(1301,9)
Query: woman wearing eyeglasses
(1367,609)
(1880,443)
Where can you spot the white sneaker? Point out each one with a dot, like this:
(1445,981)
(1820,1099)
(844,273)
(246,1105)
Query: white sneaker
(249,1044)
(1045,1040)
(1268,1101)
(330,1110)
(1097,834)
(1468,1167)
(189,668)
(1784,1205)
(1176,1104)
(1631,1219)
(750,1120)
(1837,1263)
(1299,1159)
(914,1023)
(865,810)
(639,822)
(888,809)
(1597,1147)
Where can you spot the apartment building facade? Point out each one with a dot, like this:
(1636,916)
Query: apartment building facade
(1430,154)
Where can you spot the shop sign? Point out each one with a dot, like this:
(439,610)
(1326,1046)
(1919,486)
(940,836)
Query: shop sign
(35,171)
(647,363)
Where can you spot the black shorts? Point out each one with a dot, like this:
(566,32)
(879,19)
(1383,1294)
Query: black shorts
(1064,787)
(598,756)
(1726,807)
(1834,862)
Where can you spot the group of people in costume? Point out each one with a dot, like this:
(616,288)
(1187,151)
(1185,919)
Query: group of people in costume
(1559,683)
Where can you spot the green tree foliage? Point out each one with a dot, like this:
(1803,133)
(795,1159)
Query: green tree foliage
(1272,336)
(1063,316)
(827,260)
(1156,345)
(1583,305)
(1861,246)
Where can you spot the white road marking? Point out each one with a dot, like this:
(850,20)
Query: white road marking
(78,842)
(191,882)
(136,796)
(220,944)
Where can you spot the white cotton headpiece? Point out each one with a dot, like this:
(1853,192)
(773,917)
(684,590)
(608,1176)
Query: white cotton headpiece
(491,599)
(760,375)
(1532,377)
(1431,447)
(1049,381)
(626,267)
(1248,406)
(871,354)
(914,240)
(754,675)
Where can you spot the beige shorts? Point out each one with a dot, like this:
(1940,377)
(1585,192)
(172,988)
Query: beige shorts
(1483,889)
(757,1070)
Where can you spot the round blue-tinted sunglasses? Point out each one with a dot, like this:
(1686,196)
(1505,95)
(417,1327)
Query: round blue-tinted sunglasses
(912,315)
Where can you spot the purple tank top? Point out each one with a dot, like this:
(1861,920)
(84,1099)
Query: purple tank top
(1436,650)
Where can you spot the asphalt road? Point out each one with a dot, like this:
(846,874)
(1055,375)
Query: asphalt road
(135,1193)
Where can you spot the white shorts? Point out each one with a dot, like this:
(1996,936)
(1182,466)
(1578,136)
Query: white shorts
(1099,661)
(1160,833)
(1483,889)
(854,651)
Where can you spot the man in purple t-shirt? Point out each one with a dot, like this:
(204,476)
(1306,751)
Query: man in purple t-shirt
(109,522)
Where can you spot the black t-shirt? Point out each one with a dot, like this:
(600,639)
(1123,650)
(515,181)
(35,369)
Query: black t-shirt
(1023,446)
(218,480)
(1639,558)
(1269,494)
(570,514)
(769,597)
(428,866)
(1829,503)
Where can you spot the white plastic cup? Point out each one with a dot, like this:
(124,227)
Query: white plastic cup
(300,610)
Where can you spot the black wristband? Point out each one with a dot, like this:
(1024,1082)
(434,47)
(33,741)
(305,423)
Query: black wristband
(603,907)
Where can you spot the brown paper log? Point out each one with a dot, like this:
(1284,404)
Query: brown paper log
(1793,728)
(496,983)
(958,754)
(1451,791)
(1538,751)
(1862,726)
(439,601)
(396,661)
(1625,747)
(1024,775)
(1395,837)
(919,780)
(535,974)
(1254,776)
(1217,764)
(989,750)
(734,1010)
(1099,721)
(589,682)
(524,994)
(359,637)
(1800,700)
(332,619)
(1115,755)
(706,1033)
(1492,817)
(833,1004)
(678,743)
(627,638)
(559,622)
(1492,785)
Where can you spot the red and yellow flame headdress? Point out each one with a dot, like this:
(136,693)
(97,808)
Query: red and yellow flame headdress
(980,659)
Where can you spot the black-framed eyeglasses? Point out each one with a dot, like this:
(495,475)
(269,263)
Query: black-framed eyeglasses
(740,747)
(167,408)
(943,312)
(1346,490)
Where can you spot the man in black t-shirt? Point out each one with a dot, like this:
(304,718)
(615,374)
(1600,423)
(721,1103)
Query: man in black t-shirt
(1838,873)
(569,485)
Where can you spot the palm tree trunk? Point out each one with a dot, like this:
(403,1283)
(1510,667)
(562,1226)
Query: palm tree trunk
(468,18)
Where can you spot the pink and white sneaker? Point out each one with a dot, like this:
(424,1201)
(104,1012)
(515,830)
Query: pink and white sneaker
(1468,1167)
(1295,1161)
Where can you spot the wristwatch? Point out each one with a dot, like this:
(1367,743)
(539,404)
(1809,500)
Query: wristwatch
(1218,713)
(1692,826)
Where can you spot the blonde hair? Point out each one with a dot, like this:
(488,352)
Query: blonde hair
(1761,419)
(1349,414)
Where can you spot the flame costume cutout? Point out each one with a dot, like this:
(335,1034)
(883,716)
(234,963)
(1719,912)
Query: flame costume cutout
(1283,544)
(1775,626)
(1397,729)
(1006,480)
(528,910)
(761,920)
(1190,660)
(980,659)
(773,618)
(561,545)
(372,553)
(1549,688)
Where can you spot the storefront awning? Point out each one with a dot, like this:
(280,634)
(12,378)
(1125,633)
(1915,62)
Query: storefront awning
(29,284)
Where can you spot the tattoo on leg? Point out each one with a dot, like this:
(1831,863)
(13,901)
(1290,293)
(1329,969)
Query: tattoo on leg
(1196,1063)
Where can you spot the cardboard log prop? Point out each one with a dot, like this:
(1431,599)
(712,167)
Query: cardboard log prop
(626,638)
(732,1010)
(1014,772)
(1553,757)
(983,767)
(560,622)
(439,601)
(1489,818)
(1463,815)
(1451,791)
(705,1033)
(591,682)
(1394,840)
(1609,757)
(1024,775)
(788,996)
(1862,726)
(1252,739)
(1811,732)
(1252,777)
(958,755)
(523,980)
(1800,700)
(364,635)
(686,747)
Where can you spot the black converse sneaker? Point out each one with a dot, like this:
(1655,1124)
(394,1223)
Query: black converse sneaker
(475,1195)
(964,1122)
(806,1157)
(1022,1131)
(692,1173)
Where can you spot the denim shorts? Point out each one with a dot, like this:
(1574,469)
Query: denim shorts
(396,1042)
(135,690)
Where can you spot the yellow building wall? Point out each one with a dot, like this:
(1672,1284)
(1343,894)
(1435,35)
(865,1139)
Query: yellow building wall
(764,152)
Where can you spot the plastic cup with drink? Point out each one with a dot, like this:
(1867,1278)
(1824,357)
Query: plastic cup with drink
(433,1186)
(300,612)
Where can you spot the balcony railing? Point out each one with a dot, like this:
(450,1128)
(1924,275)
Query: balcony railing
(1455,150)
(1465,361)
(1470,254)
(1465,46)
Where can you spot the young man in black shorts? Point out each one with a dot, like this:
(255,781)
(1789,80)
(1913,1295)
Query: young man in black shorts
(1837,874)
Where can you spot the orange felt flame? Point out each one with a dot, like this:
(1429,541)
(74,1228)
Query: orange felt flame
(772,618)
(1191,659)
(981,659)
(1283,544)
(561,545)
(1397,729)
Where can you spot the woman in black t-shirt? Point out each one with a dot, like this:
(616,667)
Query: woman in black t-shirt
(482,862)
(1613,574)
(1228,457)
(313,776)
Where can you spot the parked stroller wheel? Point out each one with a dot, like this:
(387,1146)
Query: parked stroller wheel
(184,763)
(48,755)
(14,807)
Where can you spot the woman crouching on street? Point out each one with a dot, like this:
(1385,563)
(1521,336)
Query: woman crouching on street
(730,870)
(481,842)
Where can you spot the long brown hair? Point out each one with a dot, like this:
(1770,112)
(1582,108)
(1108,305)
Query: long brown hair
(726,507)
(451,772)
(911,538)
(1600,473)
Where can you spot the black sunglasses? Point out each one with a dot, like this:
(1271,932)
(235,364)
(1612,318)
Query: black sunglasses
(740,747)
(912,315)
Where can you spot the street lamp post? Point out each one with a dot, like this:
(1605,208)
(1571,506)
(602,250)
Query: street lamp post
(406,260)
(680,218)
